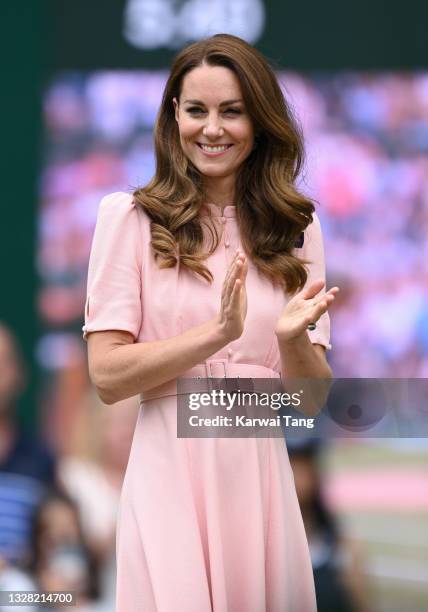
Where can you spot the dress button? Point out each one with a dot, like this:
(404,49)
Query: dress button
(227,244)
(223,220)
(229,352)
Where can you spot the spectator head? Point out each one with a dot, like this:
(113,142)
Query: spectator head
(62,560)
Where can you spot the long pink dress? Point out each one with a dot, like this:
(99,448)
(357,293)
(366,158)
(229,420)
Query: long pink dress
(205,524)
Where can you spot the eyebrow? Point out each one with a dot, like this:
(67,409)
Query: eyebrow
(221,103)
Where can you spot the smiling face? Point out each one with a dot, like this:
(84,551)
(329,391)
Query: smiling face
(216,132)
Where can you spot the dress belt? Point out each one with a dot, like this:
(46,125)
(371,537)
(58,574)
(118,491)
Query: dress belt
(212,368)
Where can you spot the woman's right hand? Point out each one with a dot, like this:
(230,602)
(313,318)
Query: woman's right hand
(233,307)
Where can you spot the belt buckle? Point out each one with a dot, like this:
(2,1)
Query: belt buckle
(210,365)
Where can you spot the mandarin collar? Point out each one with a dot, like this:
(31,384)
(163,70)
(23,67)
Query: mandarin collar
(215,211)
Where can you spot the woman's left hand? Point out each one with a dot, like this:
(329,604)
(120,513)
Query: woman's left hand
(304,308)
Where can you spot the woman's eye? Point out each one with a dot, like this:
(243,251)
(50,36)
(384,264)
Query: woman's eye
(195,110)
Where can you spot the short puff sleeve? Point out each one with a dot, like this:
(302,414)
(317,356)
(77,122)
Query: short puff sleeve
(312,250)
(113,300)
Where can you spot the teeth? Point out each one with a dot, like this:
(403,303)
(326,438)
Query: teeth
(214,149)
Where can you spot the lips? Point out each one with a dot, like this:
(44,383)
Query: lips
(214,149)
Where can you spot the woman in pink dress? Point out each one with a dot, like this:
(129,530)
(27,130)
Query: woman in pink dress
(215,268)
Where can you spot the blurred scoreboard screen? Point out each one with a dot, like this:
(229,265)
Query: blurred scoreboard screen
(312,35)
(366,137)
(345,67)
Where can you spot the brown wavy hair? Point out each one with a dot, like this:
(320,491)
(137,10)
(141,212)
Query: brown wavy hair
(270,211)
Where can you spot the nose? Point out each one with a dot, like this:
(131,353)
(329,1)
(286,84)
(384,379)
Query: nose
(213,128)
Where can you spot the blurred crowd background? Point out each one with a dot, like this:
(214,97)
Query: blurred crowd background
(364,501)
(367,167)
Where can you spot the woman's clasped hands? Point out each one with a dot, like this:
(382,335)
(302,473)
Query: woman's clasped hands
(304,308)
